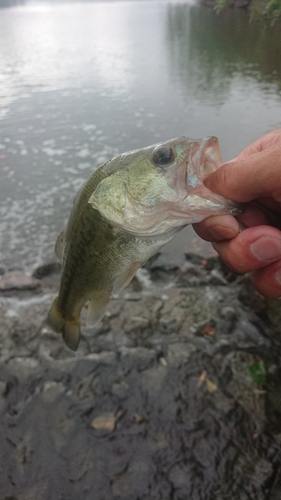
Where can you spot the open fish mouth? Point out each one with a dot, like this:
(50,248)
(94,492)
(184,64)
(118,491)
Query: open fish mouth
(209,156)
(205,158)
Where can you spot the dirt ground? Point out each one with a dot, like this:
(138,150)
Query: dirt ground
(175,395)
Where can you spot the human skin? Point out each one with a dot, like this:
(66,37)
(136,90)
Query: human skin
(251,242)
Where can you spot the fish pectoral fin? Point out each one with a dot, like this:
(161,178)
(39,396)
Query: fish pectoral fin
(110,198)
(125,276)
(59,246)
(70,329)
(96,308)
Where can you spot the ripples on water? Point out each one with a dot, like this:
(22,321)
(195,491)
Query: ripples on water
(80,83)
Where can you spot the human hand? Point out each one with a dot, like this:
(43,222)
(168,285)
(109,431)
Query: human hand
(253,178)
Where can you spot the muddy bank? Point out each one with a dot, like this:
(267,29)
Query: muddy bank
(163,400)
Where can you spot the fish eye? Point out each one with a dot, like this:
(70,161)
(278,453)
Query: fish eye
(163,155)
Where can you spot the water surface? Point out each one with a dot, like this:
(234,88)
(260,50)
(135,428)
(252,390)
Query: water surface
(82,82)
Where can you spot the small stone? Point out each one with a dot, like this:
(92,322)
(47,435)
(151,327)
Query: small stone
(179,353)
(163,361)
(46,269)
(228,312)
(134,296)
(52,391)
(16,280)
(10,313)
(105,422)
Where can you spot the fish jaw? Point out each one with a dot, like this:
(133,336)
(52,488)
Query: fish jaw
(193,201)
(200,202)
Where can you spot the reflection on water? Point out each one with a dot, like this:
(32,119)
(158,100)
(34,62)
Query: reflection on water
(208,51)
(80,83)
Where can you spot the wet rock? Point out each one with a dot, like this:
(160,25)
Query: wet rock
(48,274)
(228,313)
(3,270)
(179,353)
(250,297)
(273,311)
(18,281)
(195,259)
(47,269)
(158,401)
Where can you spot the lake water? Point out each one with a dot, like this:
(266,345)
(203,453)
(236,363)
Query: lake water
(82,82)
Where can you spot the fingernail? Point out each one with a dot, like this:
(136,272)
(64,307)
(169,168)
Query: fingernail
(266,248)
(216,232)
(241,226)
(220,232)
(278,276)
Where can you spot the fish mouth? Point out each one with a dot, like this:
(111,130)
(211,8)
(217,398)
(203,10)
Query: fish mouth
(205,158)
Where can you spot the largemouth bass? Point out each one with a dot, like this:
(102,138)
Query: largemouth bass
(124,213)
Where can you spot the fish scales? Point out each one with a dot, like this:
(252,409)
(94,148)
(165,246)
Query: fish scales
(123,214)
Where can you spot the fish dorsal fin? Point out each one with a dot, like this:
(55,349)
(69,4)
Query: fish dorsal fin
(59,245)
(124,277)
(96,307)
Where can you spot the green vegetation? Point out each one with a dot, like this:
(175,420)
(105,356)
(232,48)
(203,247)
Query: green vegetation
(273,8)
(269,10)
(257,372)
(221,4)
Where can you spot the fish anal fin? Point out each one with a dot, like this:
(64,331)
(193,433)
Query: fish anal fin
(124,277)
(70,328)
(96,307)
(59,245)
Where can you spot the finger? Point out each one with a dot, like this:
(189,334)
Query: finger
(226,227)
(217,228)
(253,216)
(252,249)
(267,280)
(264,142)
(249,178)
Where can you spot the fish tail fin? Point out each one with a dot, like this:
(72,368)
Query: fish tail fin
(70,329)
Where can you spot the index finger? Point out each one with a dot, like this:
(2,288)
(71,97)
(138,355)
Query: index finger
(249,178)
(264,142)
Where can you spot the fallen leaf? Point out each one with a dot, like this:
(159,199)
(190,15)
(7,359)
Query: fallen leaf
(211,386)
(201,378)
(208,330)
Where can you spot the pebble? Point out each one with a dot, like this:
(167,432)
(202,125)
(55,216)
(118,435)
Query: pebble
(105,422)
(17,280)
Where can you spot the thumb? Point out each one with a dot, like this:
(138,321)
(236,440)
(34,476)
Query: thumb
(250,177)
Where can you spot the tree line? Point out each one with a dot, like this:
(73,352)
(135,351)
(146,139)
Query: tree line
(269,10)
